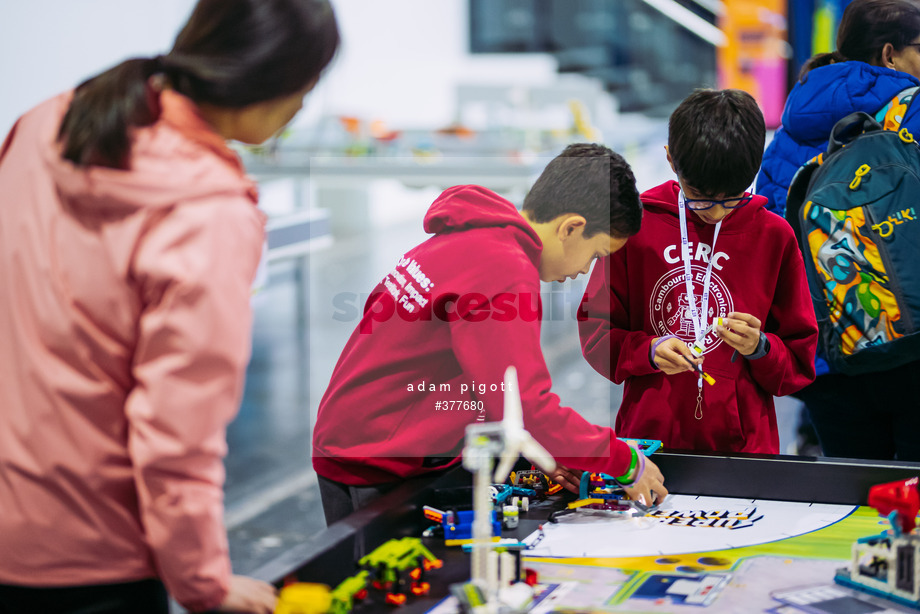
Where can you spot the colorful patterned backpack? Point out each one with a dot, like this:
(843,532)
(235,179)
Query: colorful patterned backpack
(855,211)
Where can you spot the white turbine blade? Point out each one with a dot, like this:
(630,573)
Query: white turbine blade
(517,440)
(505,464)
(537,454)
(514,413)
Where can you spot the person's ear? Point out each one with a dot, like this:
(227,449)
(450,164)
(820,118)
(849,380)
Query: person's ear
(888,53)
(667,152)
(571,225)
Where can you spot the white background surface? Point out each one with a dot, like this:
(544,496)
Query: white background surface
(585,534)
(399,62)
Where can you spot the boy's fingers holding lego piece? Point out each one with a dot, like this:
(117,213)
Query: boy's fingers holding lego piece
(655,483)
(745,318)
(653,470)
(671,363)
(649,488)
(741,331)
(672,355)
(641,494)
(660,492)
(738,341)
(568,479)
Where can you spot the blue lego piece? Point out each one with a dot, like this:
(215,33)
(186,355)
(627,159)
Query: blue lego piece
(646,446)
(462,526)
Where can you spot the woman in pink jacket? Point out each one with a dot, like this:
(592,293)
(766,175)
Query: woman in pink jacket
(129,238)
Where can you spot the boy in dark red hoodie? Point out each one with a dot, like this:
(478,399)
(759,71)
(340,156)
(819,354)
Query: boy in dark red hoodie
(645,305)
(430,352)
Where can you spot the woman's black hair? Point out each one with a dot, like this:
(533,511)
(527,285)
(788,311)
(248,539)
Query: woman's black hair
(865,27)
(230,53)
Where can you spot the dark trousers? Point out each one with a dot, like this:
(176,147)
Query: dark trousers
(341,500)
(872,416)
(142,597)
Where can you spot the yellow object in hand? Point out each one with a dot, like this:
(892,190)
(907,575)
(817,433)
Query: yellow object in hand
(304,598)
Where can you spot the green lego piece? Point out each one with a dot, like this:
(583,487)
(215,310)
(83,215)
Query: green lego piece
(343,596)
(398,555)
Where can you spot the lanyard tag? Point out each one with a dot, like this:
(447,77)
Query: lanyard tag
(698,317)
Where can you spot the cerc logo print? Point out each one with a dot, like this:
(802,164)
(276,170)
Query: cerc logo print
(669,304)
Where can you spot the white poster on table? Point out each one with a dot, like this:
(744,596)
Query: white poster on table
(682,524)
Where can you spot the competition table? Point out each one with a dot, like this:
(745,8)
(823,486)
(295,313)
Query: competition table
(760,479)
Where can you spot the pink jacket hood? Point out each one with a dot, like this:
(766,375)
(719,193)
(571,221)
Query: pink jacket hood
(152,180)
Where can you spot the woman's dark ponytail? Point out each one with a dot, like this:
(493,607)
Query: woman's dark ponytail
(96,127)
(819,60)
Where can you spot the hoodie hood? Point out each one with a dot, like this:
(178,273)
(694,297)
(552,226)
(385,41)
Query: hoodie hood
(832,92)
(464,207)
(664,198)
(171,160)
(470,207)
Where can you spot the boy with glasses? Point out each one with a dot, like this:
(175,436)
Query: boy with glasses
(705,314)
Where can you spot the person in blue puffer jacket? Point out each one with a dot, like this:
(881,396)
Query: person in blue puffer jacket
(877,58)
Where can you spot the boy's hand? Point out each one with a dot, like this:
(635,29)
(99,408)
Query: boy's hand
(669,356)
(569,479)
(649,488)
(741,331)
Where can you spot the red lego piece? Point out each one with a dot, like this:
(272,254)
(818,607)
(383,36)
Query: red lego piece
(901,497)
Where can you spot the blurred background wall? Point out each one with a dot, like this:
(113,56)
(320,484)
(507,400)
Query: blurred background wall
(402,59)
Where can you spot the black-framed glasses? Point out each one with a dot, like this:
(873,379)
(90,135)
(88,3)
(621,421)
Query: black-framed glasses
(701,204)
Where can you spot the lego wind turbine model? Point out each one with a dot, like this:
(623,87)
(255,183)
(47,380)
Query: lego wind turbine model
(517,441)
(485,442)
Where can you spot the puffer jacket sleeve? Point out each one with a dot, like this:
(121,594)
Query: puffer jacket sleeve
(781,161)
(193,270)
(771,180)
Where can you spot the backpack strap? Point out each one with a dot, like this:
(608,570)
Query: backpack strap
(795,198)
(895,112)
(848,128)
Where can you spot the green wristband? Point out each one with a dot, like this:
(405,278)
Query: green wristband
(624,480)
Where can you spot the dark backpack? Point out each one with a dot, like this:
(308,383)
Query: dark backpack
(855,211)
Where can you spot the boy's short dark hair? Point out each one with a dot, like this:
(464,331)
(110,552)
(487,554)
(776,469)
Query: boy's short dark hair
(716,139)
(592,181)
